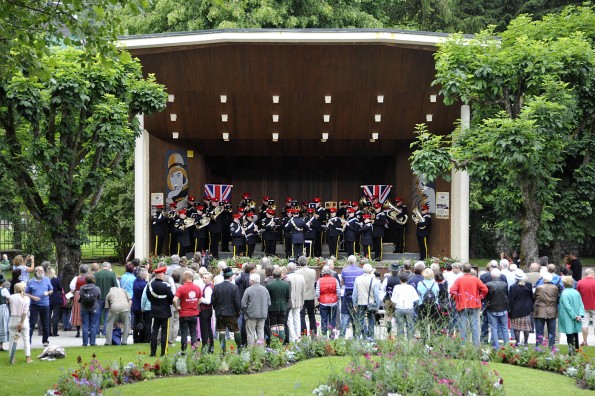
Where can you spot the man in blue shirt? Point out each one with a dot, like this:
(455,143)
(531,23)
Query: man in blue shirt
(39,289)
(348,276)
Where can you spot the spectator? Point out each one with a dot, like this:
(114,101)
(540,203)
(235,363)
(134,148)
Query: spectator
(227,306)
(417,277)
(56,302)
(39,288)
(297,302)
(497,307)
(18,323)
(26,266)
(468,291)
(575,265)
(349,274)
(405,298)
(327,293)
(428,309)
(366,300)
(118,304)
(508,274)
(142,319)
(309,275)
(586,288)
(520,307)
(387,287)
(127,280)
(255,305)
(279,292)
(4,311)
(533,276)
(89,300)
(68,274)
(161,297)
(571,314)
(75,287)
(545,310)
(186,301)
(5,267)
(105,280)
(206,312)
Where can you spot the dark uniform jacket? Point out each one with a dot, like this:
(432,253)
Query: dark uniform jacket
(237,236)
(366,233)
(351,230)
(423,227)
(251,233)
(226,299)
(269,227)
(379,222)
(182,233)
(161,297)
(160,224)
(297,227)
(334,228)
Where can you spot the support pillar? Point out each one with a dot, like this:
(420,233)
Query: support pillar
(141,194)
(459,203)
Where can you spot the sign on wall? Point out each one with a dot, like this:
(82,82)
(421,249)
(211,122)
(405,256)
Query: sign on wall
(442,205)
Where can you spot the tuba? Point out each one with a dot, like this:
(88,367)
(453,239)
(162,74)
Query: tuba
(189,222)
(416,216)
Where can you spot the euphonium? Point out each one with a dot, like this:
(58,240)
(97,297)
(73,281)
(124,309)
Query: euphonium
(273,207)
(402,220)
(416,216)
(203,222)
(388,205)
(189,222)
(252,205)
(217,211)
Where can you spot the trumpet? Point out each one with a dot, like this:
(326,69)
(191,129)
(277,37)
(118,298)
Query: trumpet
(416,216)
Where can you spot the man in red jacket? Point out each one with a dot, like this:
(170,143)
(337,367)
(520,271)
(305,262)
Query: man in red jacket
(586,287)
(468,291)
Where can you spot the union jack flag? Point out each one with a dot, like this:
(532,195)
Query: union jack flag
(381,190)
(218,192)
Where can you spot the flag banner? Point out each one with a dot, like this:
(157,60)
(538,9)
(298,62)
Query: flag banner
(381,190)
(218,192)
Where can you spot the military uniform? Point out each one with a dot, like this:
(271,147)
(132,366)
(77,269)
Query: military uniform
(251,237)
(172,247)
(400,228)
(237,236)
(200,235)
(182,233)
(366,236)
(351,233)
(422,233)
(269,225)
(322,218)
(159,223)
(214,229)
(310,235)
(297,228)
(333,232)
(379,225)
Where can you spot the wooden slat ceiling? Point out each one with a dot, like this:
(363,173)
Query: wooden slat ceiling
(249,74)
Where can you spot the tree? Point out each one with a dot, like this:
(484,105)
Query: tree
(65,132)
(112,219)
(533,100)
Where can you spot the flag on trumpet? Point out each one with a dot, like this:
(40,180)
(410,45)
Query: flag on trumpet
(380,190)
(218,192)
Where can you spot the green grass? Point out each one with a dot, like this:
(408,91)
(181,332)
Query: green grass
(299,379)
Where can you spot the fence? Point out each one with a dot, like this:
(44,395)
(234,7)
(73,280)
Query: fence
(10,241)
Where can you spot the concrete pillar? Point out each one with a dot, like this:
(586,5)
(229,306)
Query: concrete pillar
(141,194)
(459,203)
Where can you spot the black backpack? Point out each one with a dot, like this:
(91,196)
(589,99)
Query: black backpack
(429,298)
(87,297)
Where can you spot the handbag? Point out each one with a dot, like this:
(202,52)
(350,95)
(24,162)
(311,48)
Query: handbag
(140,326)
(371,306)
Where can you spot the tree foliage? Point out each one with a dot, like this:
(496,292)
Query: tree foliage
(531,138)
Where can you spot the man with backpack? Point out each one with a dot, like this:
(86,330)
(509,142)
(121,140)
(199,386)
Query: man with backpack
(89,296)
(427,312)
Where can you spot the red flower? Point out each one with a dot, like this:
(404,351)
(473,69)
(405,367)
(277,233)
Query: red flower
(231,347)
(115,372)
(344,389)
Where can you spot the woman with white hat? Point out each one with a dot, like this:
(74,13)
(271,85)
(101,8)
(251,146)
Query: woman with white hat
(520,307)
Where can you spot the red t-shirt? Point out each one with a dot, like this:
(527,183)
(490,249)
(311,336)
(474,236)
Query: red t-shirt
(586,287)
(189,295)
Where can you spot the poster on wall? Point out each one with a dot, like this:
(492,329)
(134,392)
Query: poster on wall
(177,178)
(424,193)
(442,205)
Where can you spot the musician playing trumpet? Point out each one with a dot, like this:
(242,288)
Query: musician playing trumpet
(269,227)
(423,231)
(237,233)
(201,237)
(182,226)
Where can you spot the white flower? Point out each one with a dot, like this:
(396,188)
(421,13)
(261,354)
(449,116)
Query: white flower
(571,371)
(322,390)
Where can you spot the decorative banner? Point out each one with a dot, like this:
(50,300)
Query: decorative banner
(423,194)
(177,178)
(443,205)
(381,191)
(218,192)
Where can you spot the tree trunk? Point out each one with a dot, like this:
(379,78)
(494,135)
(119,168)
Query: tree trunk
(555,252)
(67,253)
(530,223)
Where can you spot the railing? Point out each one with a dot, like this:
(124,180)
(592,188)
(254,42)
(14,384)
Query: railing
(94,248)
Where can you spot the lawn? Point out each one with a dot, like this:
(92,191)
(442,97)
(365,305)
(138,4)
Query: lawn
(299,379)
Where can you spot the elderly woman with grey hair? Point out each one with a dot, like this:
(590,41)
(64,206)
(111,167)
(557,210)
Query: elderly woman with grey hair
(328,291)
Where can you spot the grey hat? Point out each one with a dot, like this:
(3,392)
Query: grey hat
(394,267)
(519,275)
